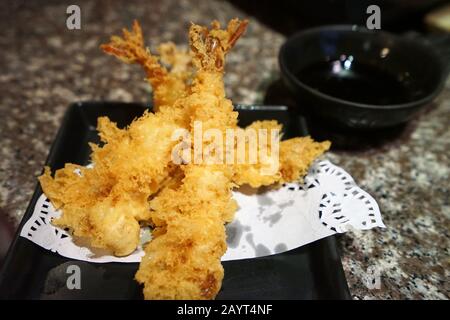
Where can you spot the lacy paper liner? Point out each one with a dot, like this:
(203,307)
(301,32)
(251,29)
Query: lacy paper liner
(267,221)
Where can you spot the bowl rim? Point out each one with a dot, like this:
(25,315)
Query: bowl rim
(361,29)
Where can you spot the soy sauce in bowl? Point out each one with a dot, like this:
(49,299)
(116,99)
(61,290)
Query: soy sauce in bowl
(348,79)
(356,78)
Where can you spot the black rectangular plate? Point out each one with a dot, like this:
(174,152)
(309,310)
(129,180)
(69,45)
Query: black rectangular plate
(313,271)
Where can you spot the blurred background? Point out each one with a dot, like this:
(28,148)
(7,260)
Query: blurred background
(290,16)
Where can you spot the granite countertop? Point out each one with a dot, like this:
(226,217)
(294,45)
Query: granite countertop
(45,67)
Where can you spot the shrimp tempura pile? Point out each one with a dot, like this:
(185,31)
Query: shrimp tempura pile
(134,180)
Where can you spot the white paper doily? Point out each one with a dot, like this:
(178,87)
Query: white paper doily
(267,222)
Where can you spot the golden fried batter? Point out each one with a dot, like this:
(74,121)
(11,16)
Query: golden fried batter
(295,157)
(183,261)
(134,180)
(111,198)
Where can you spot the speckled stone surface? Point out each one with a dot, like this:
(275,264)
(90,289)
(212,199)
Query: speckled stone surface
(45,67)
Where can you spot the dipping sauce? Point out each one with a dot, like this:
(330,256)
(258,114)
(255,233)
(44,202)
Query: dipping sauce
(354,81)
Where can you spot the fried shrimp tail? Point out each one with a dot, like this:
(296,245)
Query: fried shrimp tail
(130,48)
(209,46)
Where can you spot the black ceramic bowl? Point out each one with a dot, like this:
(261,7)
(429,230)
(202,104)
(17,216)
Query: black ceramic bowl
(354,77)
